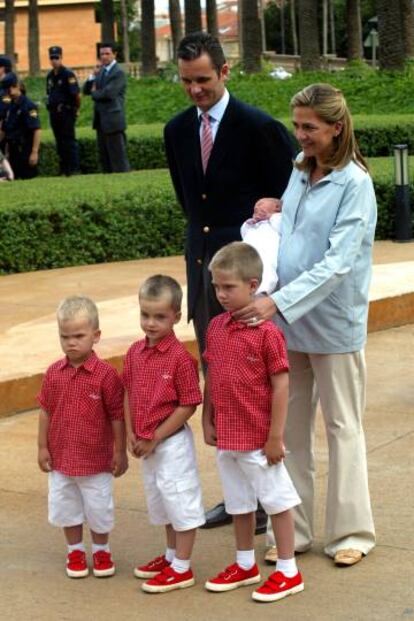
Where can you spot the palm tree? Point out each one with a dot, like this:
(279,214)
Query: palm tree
(354,29)
(309,35)
(34,58)
(107,21)
(192,16)
(294,28)
(407,15)
(149,61)
(211,11)
(176,25)
(251,36)
(9,29)
(125,33)
(391,43)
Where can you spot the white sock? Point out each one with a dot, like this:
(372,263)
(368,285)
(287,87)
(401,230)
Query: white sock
(76,546)
(287,566)
(180,565)
(170,554)
(245,559)
(100,547)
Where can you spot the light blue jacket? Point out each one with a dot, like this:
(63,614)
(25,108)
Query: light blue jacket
(324,261)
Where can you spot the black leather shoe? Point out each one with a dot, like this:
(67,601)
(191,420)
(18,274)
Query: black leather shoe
(217,516)
(261,521)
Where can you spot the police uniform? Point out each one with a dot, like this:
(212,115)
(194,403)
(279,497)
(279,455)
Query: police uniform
(22,119)
(62,102)
(5,99)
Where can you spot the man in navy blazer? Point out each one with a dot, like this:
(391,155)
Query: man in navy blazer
(251,159)
(107,88)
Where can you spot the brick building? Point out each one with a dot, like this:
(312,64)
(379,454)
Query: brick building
(69,23)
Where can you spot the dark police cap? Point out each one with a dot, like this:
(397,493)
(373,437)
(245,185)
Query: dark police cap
(55,50)
(5,62)
(10,79)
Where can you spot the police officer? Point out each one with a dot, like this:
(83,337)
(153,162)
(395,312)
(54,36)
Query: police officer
(21,130)
(63,102)
(5,68)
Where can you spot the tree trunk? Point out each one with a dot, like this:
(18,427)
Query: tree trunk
(107,21)
(9,29)
(391,44)
(149,61)
(252,36)
(354,30)
(212,24)
(294,27)
(176,25)
(34,58)
(407,15)
(192,16)
(309,35)
(325,27)
(240,27)
(332,21)
(125,31)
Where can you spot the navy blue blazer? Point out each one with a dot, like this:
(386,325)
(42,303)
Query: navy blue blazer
(251,159)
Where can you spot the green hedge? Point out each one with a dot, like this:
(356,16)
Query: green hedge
(58,222)
(376,136)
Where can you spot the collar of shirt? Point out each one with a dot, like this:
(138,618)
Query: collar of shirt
(233,324)
(216,112)
(335,176)
(162,346)
(108,68)
(88,365)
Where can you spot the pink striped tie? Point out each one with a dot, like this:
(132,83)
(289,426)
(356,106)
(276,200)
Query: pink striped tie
(206,140)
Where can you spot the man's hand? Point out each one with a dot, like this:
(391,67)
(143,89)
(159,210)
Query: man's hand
(274,449)
(144,448)
(44,460)
(119,463)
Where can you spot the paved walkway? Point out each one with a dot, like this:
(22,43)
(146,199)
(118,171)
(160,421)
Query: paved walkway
(33,584)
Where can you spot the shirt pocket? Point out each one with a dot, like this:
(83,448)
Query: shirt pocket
(251,369)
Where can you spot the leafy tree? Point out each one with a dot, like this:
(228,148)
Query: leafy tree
(192,16)
(34,58)
(149,62)
(251,36)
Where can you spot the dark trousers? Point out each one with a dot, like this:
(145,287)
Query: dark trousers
(112,151)
(63,126)
(18,155)
(205,309)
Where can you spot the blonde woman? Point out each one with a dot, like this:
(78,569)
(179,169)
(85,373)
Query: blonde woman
(324,269)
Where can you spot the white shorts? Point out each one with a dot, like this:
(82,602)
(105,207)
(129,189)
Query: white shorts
(172,486)
(75,500)
(246,477)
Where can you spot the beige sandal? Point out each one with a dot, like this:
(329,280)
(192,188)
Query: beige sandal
(271,555)
(345,558)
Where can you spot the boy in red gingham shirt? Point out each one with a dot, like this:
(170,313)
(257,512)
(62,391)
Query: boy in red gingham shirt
(81,439)
(161,382)
(245,407)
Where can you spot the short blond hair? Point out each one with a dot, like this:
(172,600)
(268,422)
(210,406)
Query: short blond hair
(329,104)
(78,305)
(158,286)
(239,258)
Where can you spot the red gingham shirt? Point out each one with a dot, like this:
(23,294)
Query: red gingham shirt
(241,360)
(158,379)
(81,403)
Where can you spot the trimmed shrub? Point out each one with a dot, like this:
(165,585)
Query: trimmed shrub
(59,222)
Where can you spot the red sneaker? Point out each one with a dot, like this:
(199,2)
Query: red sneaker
(168,580)
(233,577)
(152,568)
(278,586)
(103,565)
(76,566)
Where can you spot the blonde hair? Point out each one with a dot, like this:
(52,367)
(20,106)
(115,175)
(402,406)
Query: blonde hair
(330,106)
(78,305)
(159,285)
(241,259)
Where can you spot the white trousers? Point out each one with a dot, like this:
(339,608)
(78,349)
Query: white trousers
(340,381)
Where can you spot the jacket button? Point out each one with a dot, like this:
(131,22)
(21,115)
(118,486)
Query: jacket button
(199,261)
(204,197)
(206,229)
